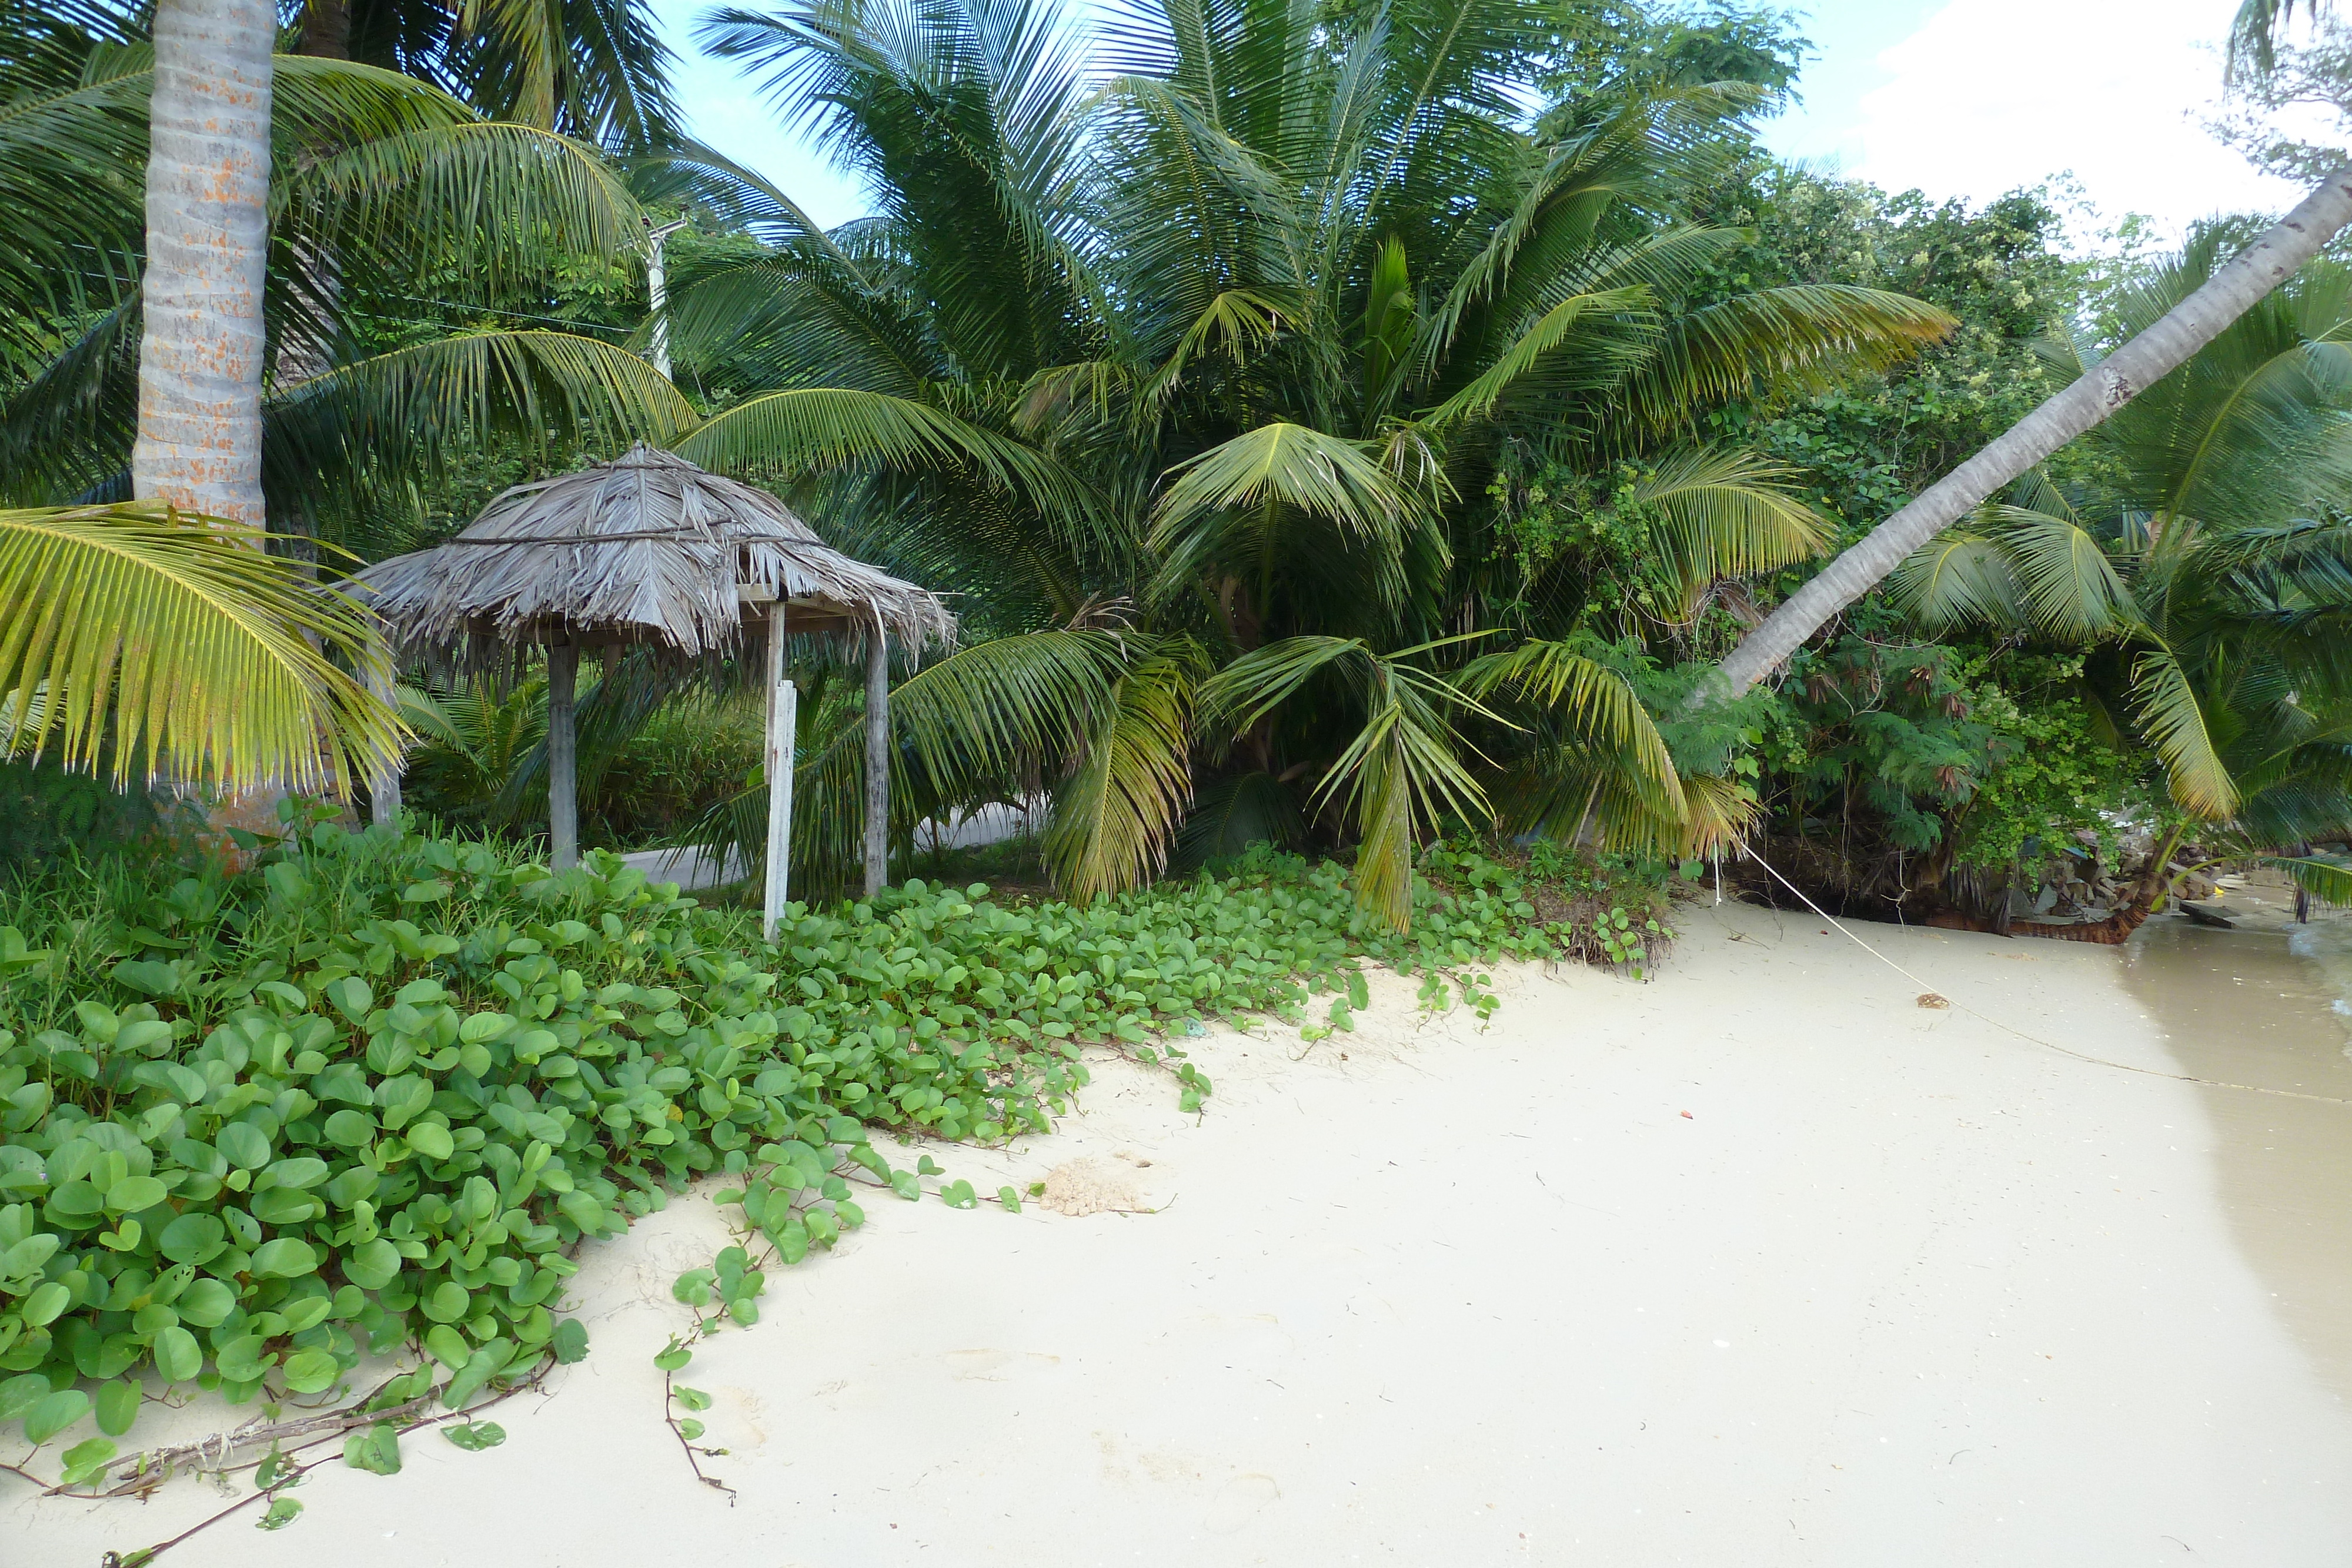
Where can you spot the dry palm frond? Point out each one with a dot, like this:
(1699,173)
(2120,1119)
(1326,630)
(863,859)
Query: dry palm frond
(646,549)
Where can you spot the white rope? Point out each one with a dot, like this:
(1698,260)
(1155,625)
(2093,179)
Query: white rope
(1927,991)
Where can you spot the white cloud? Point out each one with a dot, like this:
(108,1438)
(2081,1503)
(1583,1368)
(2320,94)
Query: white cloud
(1991,95)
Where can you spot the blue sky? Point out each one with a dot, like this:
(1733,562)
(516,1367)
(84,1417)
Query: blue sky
(1958,98)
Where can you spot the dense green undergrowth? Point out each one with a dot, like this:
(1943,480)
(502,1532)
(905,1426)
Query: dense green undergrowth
(372,1091)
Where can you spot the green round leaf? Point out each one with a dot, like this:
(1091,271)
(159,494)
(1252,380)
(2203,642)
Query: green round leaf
(570,1340)
(350,1129)
(376,1449)
(19,1394)
(284,1205)
(373,1265)
(194,1238)
(132,1194)
(474,1435)
(287,1258)
(86,1461)
(243,1145)
(483,1027)
(351,996)
(178,1357)
(432,1140)
(447,1302)
(311,1370)
(205,1304)
(55,1414)
(118,1407)
(303,1170)
(44,1305)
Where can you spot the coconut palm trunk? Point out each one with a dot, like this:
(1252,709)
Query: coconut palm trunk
(2107,387)
(200,358)
(200,362)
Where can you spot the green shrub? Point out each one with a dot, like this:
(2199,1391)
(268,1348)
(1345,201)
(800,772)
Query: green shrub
(375,1088)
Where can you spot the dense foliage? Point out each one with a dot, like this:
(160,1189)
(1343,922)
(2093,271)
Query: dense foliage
(1223,352)
(375,1088)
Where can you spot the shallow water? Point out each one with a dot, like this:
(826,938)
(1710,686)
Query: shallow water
(2269,1010)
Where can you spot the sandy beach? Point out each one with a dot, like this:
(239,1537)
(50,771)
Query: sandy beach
(1758,1263)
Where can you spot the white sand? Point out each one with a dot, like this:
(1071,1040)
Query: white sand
(1900,1289)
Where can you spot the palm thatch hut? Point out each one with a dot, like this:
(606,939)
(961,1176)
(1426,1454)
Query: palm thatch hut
(650,551)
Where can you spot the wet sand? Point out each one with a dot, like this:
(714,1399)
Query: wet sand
(1760,1263)
(2242,1007)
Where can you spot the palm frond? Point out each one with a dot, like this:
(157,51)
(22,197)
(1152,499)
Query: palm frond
(1235,484)
(1115,816)
(187,647)
(2328,881)
(1780,342)
(1591,704)
(1721,512)
(1609,356)
(1958,579)
(1401,769)
(2071,589)
(2167,709)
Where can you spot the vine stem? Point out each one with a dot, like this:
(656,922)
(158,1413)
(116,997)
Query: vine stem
(140,1558)
(670,1417)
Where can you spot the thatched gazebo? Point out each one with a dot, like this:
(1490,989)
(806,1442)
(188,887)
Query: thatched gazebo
(650,551)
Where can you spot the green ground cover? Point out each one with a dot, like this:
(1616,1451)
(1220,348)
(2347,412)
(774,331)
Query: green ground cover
(375,1088)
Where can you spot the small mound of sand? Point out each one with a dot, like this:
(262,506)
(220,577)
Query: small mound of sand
(1090,1185)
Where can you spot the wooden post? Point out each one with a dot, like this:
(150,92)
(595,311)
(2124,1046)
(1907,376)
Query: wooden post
(562,757)
(784,723)
(384,790)
(877,760)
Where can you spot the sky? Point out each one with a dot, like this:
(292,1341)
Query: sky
(1976,98)
(1957,98)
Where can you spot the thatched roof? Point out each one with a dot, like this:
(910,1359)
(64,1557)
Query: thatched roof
(647,549)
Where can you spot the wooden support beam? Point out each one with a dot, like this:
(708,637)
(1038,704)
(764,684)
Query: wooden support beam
(383,787)
(878,760)
(784,723)
(562,757)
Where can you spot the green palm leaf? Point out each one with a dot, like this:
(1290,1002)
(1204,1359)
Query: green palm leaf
(2168,708)
(1400,770)
(1724,513)
(1611,355)
(809,430)
(2071,588)
(1115,816)
(1232,494)
(184,648)
(1591,703)
(1959,577)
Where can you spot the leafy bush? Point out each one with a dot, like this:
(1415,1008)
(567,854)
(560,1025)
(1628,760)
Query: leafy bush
(46,809)
(376,1088)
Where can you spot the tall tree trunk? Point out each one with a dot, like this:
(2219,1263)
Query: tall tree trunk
(200,362)
(2107,387)
(878,760)
(326,29)
(200,357)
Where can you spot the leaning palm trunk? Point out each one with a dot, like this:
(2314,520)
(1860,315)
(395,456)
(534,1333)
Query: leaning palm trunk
(200,362)
(2107,387)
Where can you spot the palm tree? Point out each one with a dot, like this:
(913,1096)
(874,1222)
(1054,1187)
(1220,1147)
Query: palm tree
(594,70)
(375,179)
(2157,350)
(119,357)
(1197,377)
(2210,572)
